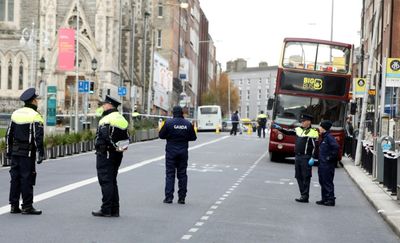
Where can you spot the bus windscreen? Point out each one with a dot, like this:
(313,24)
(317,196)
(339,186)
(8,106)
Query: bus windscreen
(209,110)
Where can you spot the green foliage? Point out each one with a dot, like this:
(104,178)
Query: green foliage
(2,145)
(88,135)
(3,132)
(145,124)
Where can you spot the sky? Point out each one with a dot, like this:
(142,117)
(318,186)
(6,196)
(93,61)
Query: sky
(255,29)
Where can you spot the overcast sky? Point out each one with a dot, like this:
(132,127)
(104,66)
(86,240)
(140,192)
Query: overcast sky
(254,29)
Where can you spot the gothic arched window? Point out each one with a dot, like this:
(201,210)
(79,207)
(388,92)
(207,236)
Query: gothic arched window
(21,75)
(10,75)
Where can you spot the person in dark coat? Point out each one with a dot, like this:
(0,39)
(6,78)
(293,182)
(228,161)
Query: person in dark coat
(235,122)
(328,155)
(348,137)
(306,137)
(112,139)
(178,132)
(25,147)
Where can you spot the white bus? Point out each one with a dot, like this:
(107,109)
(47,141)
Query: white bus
(209,117)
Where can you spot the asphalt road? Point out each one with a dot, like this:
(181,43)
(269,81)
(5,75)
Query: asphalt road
(235,194)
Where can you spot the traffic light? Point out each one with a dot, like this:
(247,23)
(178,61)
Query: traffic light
(91,87)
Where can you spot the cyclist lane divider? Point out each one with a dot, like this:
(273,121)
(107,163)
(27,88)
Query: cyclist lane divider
(76,185)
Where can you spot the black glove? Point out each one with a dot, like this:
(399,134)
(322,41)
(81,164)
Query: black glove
(39,159)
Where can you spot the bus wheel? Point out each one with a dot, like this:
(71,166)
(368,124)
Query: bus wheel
(275,157)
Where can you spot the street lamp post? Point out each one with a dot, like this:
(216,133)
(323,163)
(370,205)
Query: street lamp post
(77,69)
(146,15)
(42,66)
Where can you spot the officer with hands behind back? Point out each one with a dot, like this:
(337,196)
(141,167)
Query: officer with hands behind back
(328,156)
(25,146)
(178,132)
(306,137)
(112,139)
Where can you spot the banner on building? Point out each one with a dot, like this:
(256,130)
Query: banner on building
(66,49)
(393,72)
(161,99)
(184,69)
(359,85)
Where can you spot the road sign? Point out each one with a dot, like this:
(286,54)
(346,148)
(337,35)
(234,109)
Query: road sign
(122,91)
(51,110)
(359,87)
(83,86)
(52,89)
(393,72)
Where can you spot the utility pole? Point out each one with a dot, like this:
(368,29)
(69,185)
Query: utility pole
(77,70)
(371,53)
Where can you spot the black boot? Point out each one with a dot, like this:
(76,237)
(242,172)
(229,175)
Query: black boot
(31,211)
(15,209)
(101,213)
(320,202)
(329,203)
(115,212)
(302,200)
(167,200)
(181,200)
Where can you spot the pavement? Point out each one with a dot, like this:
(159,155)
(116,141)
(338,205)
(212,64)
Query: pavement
(385,204)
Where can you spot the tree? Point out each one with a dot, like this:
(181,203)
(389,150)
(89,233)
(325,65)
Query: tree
(218,94)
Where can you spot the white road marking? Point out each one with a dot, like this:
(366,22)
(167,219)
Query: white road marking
(222,198)
(204,217)
(186,237)
(209,212)
(193,230)
(214,207)
(199,223)
(218,202)
(76,185)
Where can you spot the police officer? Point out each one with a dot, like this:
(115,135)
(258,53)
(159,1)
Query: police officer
(111,134)
(306,137)
(178,132)
(25,139)
(262,122)
(328,153)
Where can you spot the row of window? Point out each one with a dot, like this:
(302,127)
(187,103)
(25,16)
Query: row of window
(13,73)
(247,111)
(248,81)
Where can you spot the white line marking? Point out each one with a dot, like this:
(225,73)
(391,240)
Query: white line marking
(235,169)
(225,195)
(76,185)
(199,223)
(228,192)
(204,217)
(209,212)
(193,230)
(234,186)
(186,237)
(214,207)
(222,198)
(218,202)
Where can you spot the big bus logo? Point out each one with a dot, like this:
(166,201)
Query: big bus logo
(312,83)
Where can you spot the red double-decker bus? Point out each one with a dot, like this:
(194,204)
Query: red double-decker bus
(314,77)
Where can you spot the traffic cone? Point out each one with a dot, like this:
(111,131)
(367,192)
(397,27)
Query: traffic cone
(195,127)
(217,130)
(249,129)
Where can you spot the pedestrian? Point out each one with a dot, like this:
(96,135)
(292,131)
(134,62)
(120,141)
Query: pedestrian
(25,147)
(262,121)
(328,155)
(178,132)
(112,139)
(235,122)
(306,137)
(348,145)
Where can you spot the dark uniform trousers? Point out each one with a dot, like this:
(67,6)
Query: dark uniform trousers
(326,173)
(107,171)
(303,174)
(23,176)
(176,162)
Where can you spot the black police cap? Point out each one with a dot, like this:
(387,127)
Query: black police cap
(112,101)
(28,95)
(306,117)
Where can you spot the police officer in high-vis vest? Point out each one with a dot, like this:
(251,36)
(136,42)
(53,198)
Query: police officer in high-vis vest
(178,132)
(306,138)
(112,139)
(262,122)
(24,148)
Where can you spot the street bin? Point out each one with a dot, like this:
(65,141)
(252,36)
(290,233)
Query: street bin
(390,171)
(367,156)
(384,143)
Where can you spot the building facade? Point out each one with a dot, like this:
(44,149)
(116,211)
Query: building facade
(256,85)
